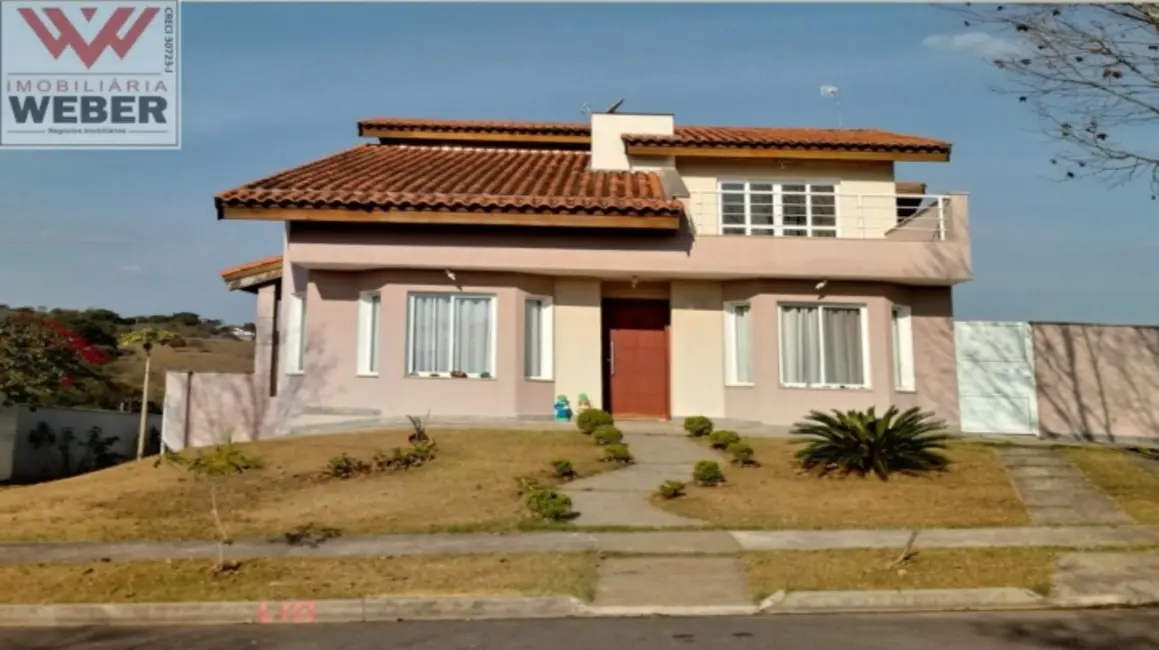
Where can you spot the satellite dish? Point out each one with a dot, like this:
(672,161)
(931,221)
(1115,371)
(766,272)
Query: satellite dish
(614,107)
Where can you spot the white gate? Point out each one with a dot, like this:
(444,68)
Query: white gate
(996,387)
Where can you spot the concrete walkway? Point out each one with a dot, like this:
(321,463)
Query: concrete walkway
(692,542)
(620,497)
(1054,491)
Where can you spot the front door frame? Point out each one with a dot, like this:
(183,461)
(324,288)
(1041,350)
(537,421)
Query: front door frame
(607,306)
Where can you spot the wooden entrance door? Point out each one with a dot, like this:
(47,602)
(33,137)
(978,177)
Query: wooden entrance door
(636,358)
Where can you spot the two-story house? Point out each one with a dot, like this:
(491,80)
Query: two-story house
(480,269)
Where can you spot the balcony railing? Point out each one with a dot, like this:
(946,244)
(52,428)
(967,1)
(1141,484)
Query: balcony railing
(765,209)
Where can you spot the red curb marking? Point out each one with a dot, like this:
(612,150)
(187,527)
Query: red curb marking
(291,612)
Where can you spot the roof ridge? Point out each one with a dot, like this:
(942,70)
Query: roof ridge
(455,147)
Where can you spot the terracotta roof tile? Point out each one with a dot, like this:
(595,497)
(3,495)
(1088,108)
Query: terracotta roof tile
(255,266)
(474,126)
(686,136)
(406,177)
(770,138)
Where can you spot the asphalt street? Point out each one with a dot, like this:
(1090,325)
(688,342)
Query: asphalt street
(1089,630)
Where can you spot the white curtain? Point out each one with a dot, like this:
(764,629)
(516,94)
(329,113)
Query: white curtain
(430,334)
(472,335)
(533,339)
(800,345)
(744,346)
(843,354)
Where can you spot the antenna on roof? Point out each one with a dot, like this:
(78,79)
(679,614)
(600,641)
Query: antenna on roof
(586,109)
(831,91)
(614,107)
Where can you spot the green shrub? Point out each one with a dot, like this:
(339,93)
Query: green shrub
(618,453)
(860,442)
(222,460)
(607,435)
(707,473)
(346,466)
(722,439)
(697,426)
(742,454)
(563,469)
(548,504)
(592,419)
(671,489)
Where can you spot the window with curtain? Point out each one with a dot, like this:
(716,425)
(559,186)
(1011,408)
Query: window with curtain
(738,343)
(778,209)
(903,349)
(369,306)
(537,338)
(450,333)
(823,346)
(296,333)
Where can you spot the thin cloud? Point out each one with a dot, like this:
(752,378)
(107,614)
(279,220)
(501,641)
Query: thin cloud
(974,43)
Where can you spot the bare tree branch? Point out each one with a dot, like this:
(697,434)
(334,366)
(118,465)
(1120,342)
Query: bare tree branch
(1091,75)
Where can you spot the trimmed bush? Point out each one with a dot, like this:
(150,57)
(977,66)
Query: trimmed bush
(618,453)
(671,489)
(563,469)
(860,442)
(707,473)
(592,419)
(607,435)
(742,454)
(722,439)
(346,466)
(697,426)
(549,505)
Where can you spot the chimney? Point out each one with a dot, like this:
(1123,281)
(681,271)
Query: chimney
(608,152)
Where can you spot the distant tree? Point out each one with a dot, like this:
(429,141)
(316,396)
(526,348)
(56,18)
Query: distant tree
(1091,74)
(249,327)
(147,338)
(186,318)
(39,356)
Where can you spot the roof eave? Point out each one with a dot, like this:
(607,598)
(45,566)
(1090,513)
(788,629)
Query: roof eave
(686,151)
(667,218)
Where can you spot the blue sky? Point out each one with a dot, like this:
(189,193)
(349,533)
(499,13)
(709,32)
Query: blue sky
(268,86)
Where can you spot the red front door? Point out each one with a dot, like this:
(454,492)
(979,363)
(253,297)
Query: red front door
(636,358)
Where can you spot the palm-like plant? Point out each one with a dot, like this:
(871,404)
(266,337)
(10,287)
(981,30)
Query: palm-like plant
(860,442)
(147,338)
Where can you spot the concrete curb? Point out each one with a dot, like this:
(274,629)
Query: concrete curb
(666,610)
(907,600)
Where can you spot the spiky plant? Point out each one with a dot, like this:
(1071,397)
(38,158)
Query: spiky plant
(861,442)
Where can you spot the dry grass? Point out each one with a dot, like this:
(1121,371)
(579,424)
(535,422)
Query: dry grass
(1133,488)
(198,355)
(470,486)
(274,579)
(974,492)
(941,568)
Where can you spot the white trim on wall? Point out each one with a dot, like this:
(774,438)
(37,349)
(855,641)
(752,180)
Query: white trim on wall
(732,355)
(369,333)
(546,339)
(901,329)
(296,333)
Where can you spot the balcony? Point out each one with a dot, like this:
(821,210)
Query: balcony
(899,238)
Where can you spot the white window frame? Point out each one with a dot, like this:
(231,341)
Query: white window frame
(546,338)
(731,353)
(901,330)
(778,226)
(296,333)
(369,333)
(866,371)
(454,296)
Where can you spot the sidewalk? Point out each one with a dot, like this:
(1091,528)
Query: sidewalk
(633,543)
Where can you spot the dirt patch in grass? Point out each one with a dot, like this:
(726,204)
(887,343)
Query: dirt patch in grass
(941,568)
(469,487)
(974,492)
(280,579)
(1133,487)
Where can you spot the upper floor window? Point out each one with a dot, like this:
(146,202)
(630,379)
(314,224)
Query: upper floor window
(778,209)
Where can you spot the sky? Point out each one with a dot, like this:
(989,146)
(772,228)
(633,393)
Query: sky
(270,86)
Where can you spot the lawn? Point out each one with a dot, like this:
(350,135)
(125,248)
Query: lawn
(469,487)
(938,568)
(1132,487)
(285,579)
(974,492)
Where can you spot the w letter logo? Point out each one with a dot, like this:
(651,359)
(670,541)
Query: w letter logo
(108,37)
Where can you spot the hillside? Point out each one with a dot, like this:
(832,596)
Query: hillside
(198,355)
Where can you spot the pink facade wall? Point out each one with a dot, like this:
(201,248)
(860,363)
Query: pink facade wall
(936,385)
(215,408)
(1100,380)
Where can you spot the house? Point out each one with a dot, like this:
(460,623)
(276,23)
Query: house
(480,269)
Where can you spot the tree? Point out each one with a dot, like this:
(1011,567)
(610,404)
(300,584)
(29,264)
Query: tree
(1091,74)
(38,357)
(147,338)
